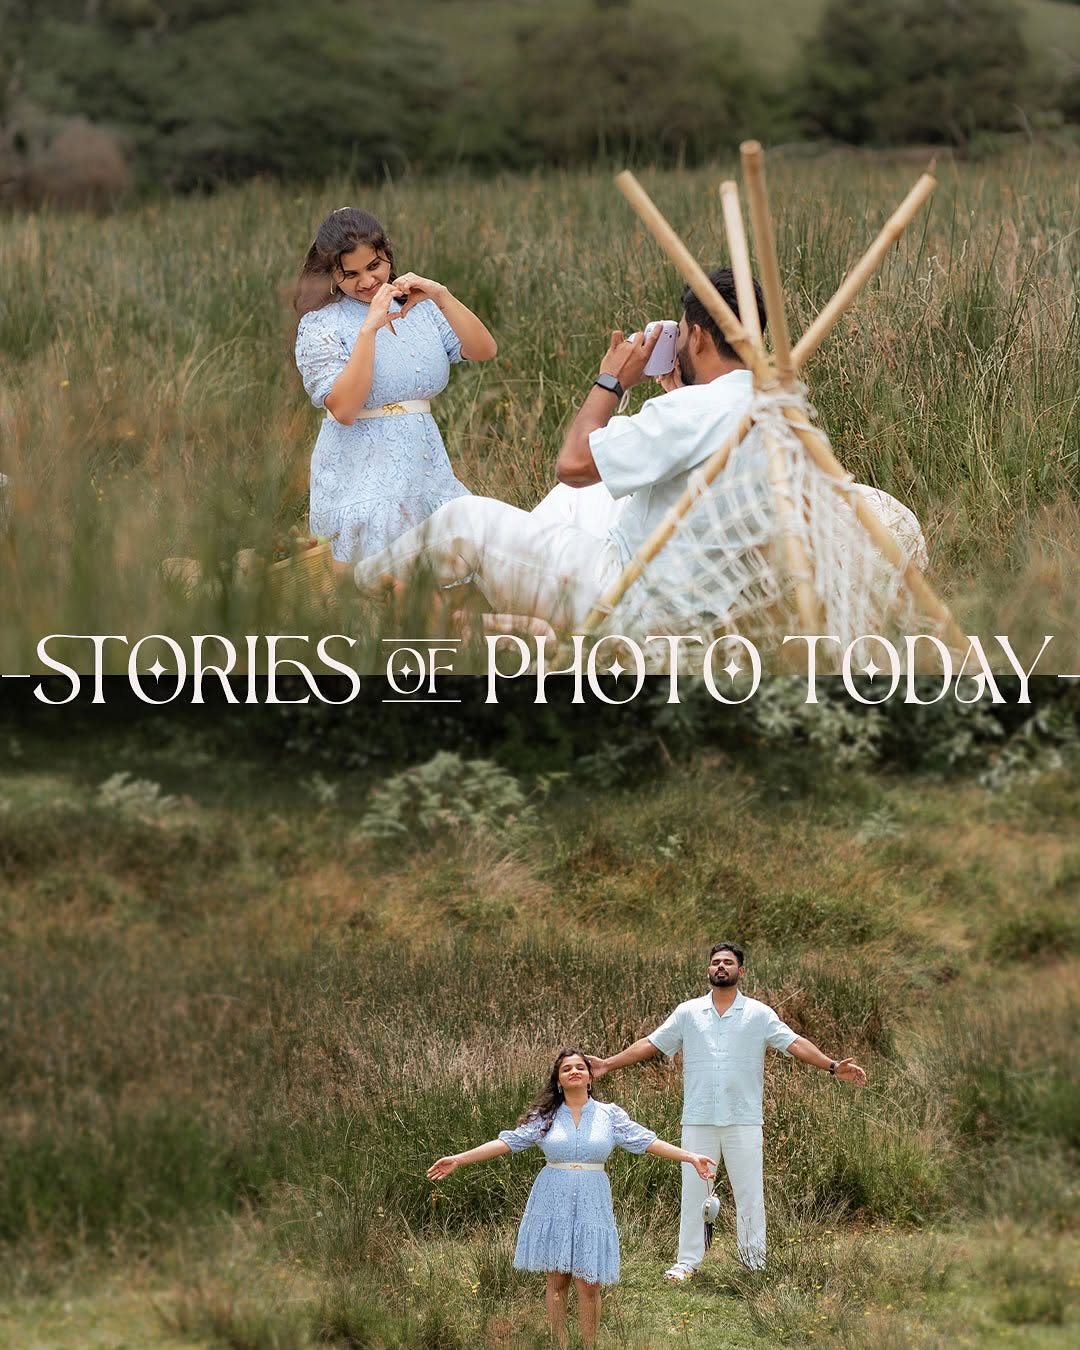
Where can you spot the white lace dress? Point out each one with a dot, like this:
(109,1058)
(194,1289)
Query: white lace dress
(381,476)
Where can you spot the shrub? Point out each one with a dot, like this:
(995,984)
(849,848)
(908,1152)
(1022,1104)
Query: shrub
(81,165)
(635,87)
(1039,1303)
(444,795)
(1034,935)
(267,88)
(133,796)
(881,71)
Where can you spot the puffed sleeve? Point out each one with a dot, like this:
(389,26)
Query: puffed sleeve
(449,339)
(628,1133)
(524,1136)
(321,354)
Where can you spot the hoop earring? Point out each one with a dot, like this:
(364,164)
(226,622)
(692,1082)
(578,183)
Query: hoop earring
(333,287)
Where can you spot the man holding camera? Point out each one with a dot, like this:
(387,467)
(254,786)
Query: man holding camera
(534,563)
(723,1037)
(555,562)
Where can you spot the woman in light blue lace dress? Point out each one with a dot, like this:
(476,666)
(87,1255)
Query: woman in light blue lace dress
(373,348)
(568,1229)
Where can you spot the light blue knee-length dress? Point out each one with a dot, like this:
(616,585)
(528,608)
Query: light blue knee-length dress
(568,1223)
(381,476)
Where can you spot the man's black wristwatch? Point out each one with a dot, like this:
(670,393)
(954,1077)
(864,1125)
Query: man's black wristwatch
(610,383)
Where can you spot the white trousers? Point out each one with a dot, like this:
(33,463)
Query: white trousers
(525,563)
(739,1147)
(553,562)
(592,509)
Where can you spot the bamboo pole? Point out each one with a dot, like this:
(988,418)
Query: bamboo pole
(734,332)
(821,452)
(787,362)
(739,253)
(795,558)
(861,273)
(663,532)
(753,162)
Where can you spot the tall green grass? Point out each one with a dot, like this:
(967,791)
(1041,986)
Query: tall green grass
(237,1032)
(183,1037)
(150,1096)
(151,408)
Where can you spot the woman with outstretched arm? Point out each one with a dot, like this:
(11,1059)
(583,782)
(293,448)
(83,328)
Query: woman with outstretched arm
(568,1229)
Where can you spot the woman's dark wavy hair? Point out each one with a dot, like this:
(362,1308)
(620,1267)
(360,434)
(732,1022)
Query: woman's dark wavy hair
(343,230)
(551,1097)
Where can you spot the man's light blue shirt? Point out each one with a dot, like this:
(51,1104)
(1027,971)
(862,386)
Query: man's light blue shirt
(723,1057)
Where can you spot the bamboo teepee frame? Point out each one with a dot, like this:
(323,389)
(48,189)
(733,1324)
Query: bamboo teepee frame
(776,372)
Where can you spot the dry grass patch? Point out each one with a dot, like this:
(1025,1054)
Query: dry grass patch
(481,884)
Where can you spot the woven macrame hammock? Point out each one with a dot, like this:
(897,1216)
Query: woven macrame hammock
(772,538)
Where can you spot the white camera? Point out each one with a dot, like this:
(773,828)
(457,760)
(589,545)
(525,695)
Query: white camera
(662,361)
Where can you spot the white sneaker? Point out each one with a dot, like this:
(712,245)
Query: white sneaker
(679,1272)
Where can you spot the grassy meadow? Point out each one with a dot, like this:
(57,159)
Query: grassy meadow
(237,1026)
(151,408)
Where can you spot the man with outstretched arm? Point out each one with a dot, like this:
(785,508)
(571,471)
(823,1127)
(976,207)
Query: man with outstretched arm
(723,1037)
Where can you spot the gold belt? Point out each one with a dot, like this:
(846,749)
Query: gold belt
(408,405)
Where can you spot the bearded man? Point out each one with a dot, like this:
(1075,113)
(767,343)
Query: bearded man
(723,1037)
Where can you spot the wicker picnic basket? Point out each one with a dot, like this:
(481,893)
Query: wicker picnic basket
(305,578)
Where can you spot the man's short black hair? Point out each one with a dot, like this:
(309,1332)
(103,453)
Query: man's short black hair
(696,313)
(729,947)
